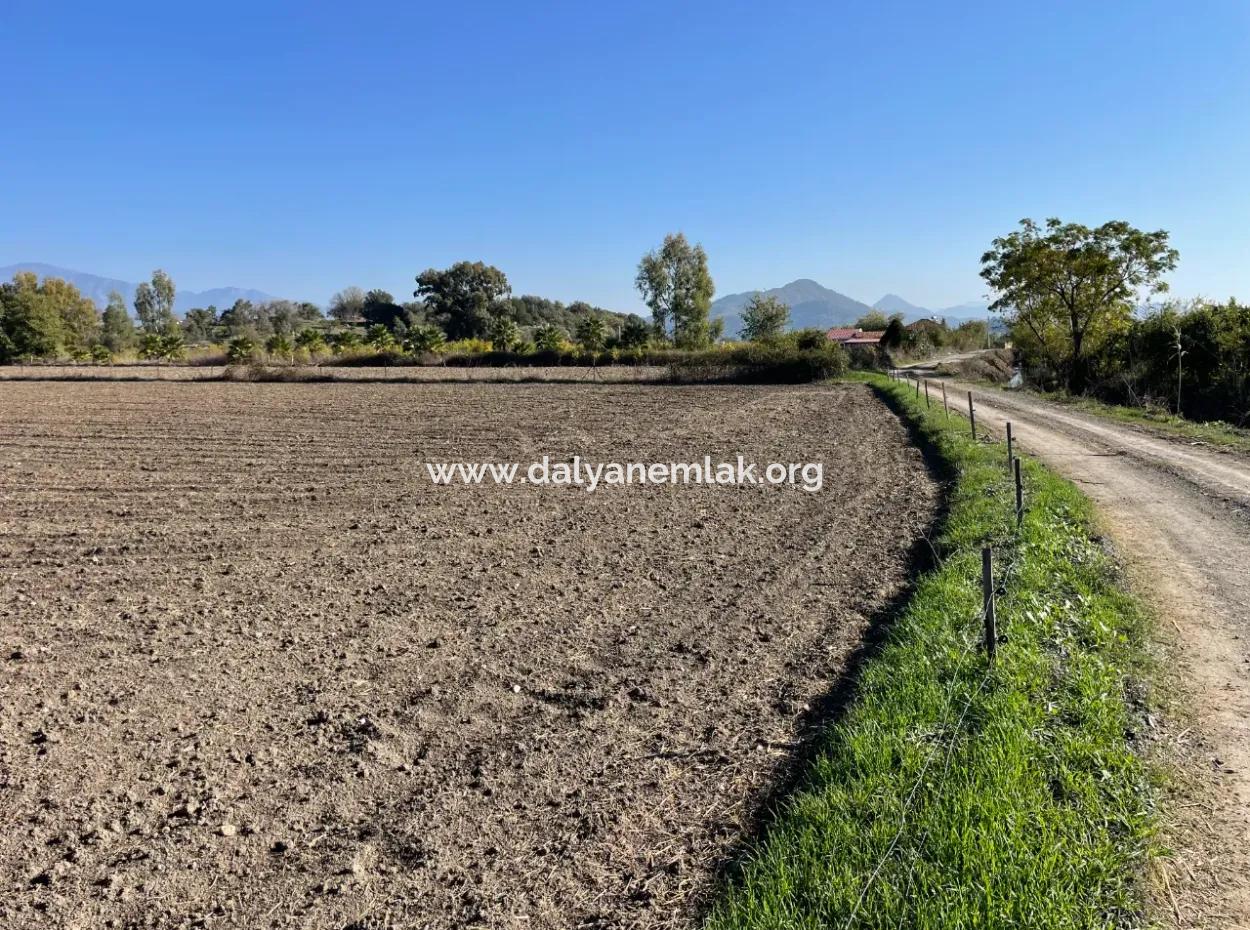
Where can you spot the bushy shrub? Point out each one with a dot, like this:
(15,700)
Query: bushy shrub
(279,346)
(310,340)
(240,350)
(504,333)
(101,355)
(809,339)
(423,339)
(549,338)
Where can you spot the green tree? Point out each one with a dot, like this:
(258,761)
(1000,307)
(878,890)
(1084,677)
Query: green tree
(279,346)
(895,333)
(240,350)
(380,337)
(345,340)
(424,338)
(873,321)
(30,326)
(592,334)
(380,309)
(154,303)
(549,337)
(199,324)
(310,340)
(117,330)
(503,333)
(1068,287)
(347,305)
(635,334)
(462,297)
(80,321)
(764,318)
(675,284)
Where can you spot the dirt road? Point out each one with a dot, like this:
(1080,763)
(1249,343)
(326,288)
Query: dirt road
(1180,515)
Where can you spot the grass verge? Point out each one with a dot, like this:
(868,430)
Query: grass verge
(1169,425)
(955,793)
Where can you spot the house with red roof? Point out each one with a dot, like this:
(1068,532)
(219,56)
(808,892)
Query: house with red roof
(853,336)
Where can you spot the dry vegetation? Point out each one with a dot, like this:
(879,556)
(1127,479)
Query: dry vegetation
(258,672)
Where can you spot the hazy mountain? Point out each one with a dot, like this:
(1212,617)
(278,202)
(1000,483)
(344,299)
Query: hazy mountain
(811,305)
(892,303)
(98,288)
(970,310)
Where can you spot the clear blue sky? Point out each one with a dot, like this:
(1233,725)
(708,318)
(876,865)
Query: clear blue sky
(300,148)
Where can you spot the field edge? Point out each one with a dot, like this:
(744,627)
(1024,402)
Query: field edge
(956,792)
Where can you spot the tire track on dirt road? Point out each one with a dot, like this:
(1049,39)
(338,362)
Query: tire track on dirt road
(1180,516)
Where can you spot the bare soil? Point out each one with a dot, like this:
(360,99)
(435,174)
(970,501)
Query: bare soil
(1180,516)
(257,671)
(151,371)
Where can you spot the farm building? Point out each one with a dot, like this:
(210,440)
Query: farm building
(929,324)
(852,336)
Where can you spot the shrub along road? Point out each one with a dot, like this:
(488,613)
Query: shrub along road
(1180,514)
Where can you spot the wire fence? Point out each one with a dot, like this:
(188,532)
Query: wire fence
(1008,562)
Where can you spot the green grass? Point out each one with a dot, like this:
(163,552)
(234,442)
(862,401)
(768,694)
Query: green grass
(1216,433)
(953,793)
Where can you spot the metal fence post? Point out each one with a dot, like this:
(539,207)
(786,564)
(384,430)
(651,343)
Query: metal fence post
(987,601)
(972,416)
(1019,495)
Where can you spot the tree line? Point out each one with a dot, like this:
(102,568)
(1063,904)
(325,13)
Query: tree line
(1078,304)
(469,305)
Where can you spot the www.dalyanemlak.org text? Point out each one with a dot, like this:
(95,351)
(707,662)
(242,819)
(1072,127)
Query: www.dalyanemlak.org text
(589,476)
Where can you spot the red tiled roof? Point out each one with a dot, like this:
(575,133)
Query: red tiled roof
(850,336)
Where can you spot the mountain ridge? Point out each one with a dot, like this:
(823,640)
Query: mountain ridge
(812,305)
(97,287)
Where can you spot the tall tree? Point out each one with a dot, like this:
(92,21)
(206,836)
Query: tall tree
(117,330)
(380,309)
(764,318)
(199,324)
(347,304)
(30,326)
(154,304)
(675,284)
(80,320)
(461,298)
(873,320)
(592,333)
(1065,287)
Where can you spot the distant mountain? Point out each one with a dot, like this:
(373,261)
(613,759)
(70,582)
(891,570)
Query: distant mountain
(98,288)
(970,310)
(892,303)
(811,305)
